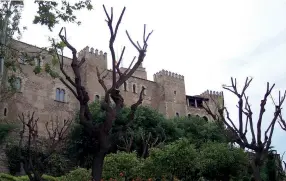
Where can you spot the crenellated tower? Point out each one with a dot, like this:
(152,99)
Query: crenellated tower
(171,93)
(215,99)
(94,58)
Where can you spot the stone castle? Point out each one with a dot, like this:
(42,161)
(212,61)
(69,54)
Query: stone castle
(50,99)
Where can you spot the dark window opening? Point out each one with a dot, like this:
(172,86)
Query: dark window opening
(97,97)
(134,88)
(199,103)
(5,111)
(205,118)
(125,86)
(189,115)
(192,102)
(175,92)
(177,114)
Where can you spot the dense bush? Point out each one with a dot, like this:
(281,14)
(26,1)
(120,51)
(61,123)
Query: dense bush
(7,177)
(56,165)
(5,129)
(121,164)
(76,175)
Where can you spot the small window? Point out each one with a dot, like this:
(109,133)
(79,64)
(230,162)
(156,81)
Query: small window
(134,88)
(96,98)
(205,118)
(177,114)
(175,92)
(189,115)
(5,111)
(125,86)
(38,62)
(17,84)
(60,95)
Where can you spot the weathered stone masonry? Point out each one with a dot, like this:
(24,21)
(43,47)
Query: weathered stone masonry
(50,99)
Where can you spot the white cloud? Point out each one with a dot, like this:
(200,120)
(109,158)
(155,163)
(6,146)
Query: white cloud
(206,41)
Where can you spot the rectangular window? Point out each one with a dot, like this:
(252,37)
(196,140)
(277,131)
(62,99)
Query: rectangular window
(38,62)
(192,102)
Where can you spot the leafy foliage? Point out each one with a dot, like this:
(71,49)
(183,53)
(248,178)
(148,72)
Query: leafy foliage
(51,13)
(5,129)
(177,159)
(221,161)
(121,164)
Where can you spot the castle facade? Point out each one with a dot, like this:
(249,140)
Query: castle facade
(51,99)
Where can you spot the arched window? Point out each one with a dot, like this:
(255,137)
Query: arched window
(5,111)
(17,84)
(205,118)
(97,97)
(177,114)
(134,88)
(58,94)
(62,95)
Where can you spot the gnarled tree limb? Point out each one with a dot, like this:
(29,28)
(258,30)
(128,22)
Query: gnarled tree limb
(245,120)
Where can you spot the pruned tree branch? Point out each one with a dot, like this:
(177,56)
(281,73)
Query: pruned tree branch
(33,162)
(100,133)
(245,120)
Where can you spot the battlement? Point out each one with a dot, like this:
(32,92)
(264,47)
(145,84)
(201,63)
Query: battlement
(168,73)
(90,52)
(212,93)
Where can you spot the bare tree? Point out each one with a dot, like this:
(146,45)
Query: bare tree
(148,142)
(238,133)
(31,158)
(100,134)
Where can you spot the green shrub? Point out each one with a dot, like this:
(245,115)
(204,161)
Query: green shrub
(5,130)
(12,154)
(56,165)
(76,175)
(7,177)
(122,163)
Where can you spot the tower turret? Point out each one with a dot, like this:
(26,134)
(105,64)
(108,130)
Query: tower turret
(172,93)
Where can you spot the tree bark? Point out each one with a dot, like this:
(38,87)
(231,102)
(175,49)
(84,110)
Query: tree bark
(256,172)
(97,165)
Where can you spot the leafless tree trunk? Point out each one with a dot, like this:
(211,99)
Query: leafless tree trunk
(33,163)
(100,134)
(245,121)
(149,143)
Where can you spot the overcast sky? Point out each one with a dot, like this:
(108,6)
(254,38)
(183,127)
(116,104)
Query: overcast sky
(206,41)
